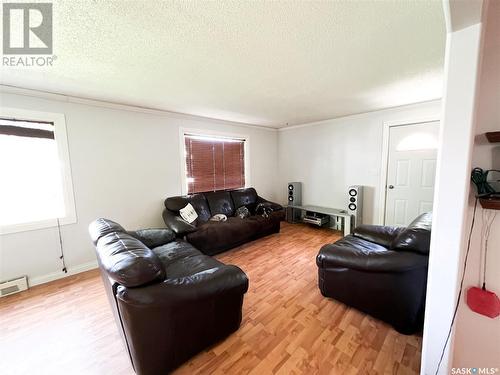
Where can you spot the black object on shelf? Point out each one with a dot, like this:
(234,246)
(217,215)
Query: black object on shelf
(489,198)
(480,178)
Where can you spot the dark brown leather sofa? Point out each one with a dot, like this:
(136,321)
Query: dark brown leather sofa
(214,237)
(380,270)
(170,301)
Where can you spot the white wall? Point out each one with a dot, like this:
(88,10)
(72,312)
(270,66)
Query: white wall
(472,328)
(124,164)
(328,156)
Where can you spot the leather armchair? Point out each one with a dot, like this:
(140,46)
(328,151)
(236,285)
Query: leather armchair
(380,270)
(170,301)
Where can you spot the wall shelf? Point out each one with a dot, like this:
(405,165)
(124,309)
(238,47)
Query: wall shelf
(490,203)
(493,137)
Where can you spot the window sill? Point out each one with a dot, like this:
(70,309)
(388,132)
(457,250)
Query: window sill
(36,225)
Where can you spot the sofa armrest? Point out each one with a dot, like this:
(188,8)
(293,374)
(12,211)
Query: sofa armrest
(153,237)
(272,205)
(350,253)
(177,224)
(227,279)
(382,235)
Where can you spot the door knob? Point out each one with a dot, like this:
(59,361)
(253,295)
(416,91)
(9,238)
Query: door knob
(391,186)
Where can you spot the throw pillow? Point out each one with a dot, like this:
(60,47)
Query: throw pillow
(218,217)
(188,213)
(242,212)
(263,209)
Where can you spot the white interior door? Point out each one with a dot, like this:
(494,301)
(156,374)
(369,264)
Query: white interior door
(411,170)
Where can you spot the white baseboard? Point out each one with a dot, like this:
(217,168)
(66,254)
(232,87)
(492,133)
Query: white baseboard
(32,281)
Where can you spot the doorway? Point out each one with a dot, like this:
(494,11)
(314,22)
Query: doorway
(408,187)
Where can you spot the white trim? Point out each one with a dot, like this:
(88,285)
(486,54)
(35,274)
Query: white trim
(357,115)
(211,133)
(9,89)
(32,281)
(122,106)
(385,156)
(62,148)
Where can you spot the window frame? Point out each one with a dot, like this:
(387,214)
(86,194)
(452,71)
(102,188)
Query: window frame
(60,135)
(214,134)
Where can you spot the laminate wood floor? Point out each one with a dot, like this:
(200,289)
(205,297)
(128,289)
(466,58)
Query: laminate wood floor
(66,327)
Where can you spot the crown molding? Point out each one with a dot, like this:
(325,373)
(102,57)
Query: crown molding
(9,89)
(356,115)
(15,90)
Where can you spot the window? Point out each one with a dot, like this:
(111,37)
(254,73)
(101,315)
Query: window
(36,188)
(418,142)
(214,163)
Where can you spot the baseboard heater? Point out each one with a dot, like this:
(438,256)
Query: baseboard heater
(13,286)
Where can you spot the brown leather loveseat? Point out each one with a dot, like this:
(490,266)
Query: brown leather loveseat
(214,237)
(170,301)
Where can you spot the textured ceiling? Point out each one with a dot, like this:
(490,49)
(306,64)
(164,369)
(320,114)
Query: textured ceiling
(264,63)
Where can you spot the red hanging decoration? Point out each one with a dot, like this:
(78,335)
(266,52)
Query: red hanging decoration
(483,302)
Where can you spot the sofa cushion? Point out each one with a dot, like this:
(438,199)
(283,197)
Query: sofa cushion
(223,235)
(153,237)
(127,260)
(180,259)
(101,227)
(175,250)
(380,234)
(200,204)
(198,201)
(416,236)
(220,202)
(245,197)
(356,253)
(192,265)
